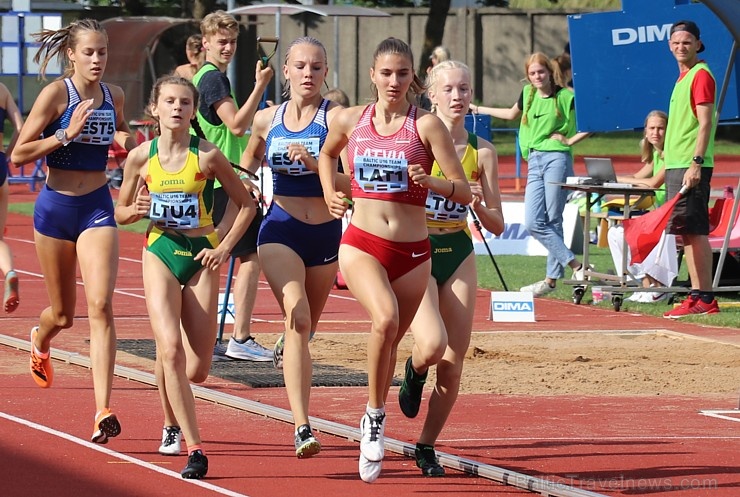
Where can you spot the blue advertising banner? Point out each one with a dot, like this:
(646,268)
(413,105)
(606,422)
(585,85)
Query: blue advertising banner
(623,68)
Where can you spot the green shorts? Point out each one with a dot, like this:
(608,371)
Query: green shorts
(177,252)
(449,250)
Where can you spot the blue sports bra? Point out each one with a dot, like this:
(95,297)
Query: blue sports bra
(293,179)
(88,151)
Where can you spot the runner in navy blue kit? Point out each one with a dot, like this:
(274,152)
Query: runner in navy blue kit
(385,252)
(299,239)
(73,123)
(8,110)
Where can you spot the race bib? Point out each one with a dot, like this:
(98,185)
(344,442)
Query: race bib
(442,209)
(281,163)
(381,174)
(99,128)
(175,210)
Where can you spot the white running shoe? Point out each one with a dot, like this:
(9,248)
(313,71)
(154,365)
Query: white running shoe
(372,429)
(248,351)
(369,470)
(171,439)
(635,297)
(538,289)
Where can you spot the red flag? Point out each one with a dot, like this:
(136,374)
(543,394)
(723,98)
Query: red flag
(643,233)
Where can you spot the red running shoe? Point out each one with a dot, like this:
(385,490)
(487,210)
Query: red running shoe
(693,307)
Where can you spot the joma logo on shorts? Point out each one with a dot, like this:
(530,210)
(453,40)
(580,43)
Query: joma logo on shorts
(185,253)
(443,250)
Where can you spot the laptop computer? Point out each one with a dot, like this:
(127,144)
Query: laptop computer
(600,170)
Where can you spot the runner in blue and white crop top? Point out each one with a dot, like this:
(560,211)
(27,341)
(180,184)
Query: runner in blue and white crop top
(88,151)
(293,179)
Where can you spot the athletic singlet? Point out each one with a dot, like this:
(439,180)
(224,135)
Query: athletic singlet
(379,164)
(3,115)
(293,179)
(445,213)
(89,150)
(182,199)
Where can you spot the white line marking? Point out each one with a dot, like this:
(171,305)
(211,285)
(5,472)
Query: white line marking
(720,414)
(118,455)
(588,439)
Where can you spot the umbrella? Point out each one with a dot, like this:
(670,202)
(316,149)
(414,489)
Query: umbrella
(643,233)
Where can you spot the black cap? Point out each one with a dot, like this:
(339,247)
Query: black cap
(689,27)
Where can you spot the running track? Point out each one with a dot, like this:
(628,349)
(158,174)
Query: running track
(573,445)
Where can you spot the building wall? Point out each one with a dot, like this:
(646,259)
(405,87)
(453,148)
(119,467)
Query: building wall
(494,42)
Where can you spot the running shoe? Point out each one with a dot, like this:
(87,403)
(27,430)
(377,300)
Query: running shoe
(277,352)
(106,426)
(409,395)
(197,466)
(654,297)
(306,444)
(11,292)
(427,461)
(250,350)
(279,347)
(41,368)
(538,289)
(372,429)
(171,440)
(692,307)
(369,470)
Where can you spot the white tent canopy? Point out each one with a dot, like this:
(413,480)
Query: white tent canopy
(335,11)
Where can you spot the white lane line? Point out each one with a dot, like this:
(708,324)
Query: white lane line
(714,413)
(590,439)
(118,455)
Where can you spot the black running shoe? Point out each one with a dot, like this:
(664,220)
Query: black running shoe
(409,396)
(426,459)
(197,466)
(306,444)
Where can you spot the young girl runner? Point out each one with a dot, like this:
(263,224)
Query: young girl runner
(72,123)
(170,179)
(444,321)
(385,252)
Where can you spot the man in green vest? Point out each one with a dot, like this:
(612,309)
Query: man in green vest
(225,124)
(689,162)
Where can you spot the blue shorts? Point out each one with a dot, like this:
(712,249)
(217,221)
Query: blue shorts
(3,168)
(65,217)
(315,244)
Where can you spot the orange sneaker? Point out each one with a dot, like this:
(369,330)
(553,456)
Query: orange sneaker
(41,368)
(106,425)
(11,298)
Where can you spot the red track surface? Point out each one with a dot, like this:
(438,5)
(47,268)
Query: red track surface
(608,445)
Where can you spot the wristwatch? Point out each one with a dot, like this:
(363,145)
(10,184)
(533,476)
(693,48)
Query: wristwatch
(698,159)
(61,135)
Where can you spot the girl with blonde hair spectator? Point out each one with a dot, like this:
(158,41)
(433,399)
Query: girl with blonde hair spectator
(547,133)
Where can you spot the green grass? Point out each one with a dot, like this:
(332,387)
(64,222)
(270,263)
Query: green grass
(520,270)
